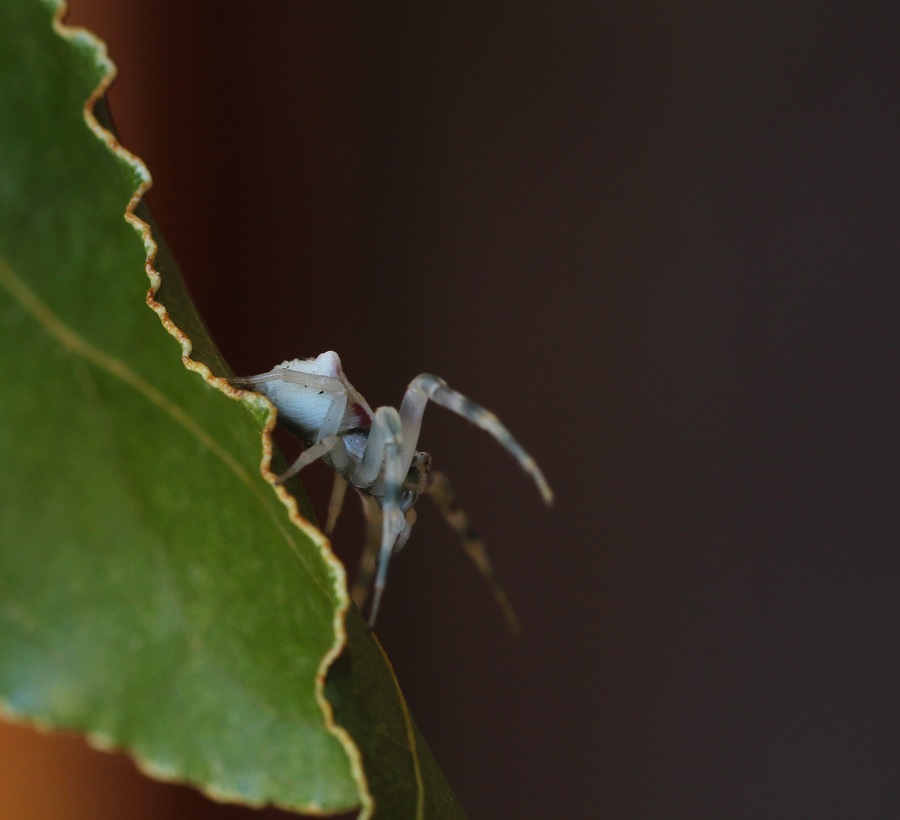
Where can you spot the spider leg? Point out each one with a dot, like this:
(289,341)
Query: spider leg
(367,563)
(369,560)
(426,387)
(445,500)
(297,377)
(331,423)
(330,444)
(385,430)
(336,502)
(383,454)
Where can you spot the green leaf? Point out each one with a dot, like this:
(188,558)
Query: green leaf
(157,592)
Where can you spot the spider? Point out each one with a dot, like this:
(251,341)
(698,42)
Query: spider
(376,453)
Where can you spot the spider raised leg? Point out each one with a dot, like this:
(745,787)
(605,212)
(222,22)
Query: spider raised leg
(376,453)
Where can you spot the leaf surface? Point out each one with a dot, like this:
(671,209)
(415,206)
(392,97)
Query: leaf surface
(156,591)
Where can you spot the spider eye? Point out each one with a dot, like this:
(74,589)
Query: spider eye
(407,499)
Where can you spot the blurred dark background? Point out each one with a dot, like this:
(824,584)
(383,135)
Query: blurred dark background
(661,241)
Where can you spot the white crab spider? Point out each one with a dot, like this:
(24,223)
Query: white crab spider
(376,453)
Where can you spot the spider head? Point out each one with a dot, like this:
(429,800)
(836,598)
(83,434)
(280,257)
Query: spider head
(416,481)
(417,477)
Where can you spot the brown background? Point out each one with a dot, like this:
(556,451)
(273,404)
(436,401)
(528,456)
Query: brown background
(661,241)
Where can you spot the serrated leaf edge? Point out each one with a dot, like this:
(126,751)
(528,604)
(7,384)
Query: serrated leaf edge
(74,34)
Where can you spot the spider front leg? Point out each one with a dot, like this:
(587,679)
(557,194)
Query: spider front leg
(382,471)
(426,387)
(368,561)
